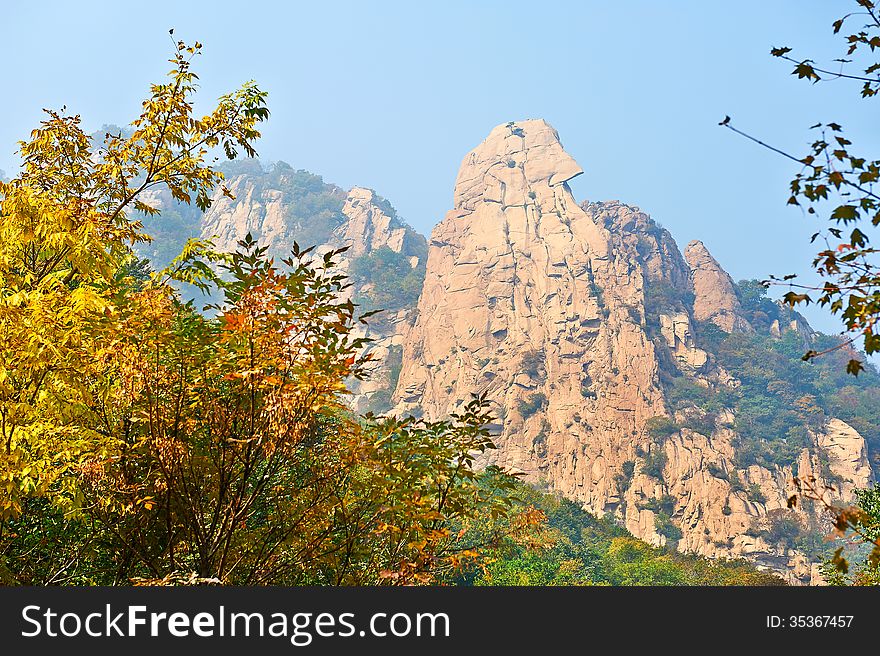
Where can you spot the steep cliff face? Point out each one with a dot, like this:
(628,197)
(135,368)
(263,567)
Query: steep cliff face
(526,297)
(619,369)
(579,322)
(370,227)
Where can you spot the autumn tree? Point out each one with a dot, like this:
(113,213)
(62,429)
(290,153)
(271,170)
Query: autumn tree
(66,230)
(856,530)
(239,461)
(837,180)
(146,441)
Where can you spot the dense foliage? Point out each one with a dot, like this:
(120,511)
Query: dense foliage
(64,237)
(387,280)
(574,548)
(856,561)
(143,441)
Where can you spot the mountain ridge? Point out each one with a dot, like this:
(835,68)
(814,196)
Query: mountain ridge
(575,320)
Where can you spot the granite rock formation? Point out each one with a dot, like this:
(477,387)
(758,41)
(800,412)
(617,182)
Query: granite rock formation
(578,320)
(570,317)
(714,296)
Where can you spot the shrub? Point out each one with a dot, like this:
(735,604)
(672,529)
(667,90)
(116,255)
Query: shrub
(534,364)
(624,478)
(717,471)
(783,527)
(664,525)
(654,463)
(665,504)
(704,425)
(754,494)
(661,427)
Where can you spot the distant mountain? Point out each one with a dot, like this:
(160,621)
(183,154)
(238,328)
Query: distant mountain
(279,205)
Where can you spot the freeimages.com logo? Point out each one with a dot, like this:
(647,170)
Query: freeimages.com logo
(300,628)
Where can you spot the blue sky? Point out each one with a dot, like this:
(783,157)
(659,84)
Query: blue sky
(391,95)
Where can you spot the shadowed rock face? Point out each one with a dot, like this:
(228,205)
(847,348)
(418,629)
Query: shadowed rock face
(568,317)
(715,298)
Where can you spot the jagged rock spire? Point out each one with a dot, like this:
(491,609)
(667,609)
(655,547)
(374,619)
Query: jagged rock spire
(714,292)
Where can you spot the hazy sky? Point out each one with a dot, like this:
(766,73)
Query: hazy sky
(391,95)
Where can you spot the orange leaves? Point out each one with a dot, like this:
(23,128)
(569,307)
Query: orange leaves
(848,518)
(147,503)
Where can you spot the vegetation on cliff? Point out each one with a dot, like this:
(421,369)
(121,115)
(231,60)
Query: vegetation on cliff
(572,547)
(387,279)
(782,397)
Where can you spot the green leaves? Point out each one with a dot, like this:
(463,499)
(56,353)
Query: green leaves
(193,266)
(66,275)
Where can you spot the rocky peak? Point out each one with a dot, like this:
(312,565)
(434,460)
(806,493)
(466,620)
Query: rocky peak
(525,298)
(715,296)
(371,224)
(385,256)
(287,205)
(254,209)
(519,163)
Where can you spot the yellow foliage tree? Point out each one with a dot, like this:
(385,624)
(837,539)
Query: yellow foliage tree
(65,233)
(238,460)
(144,441)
